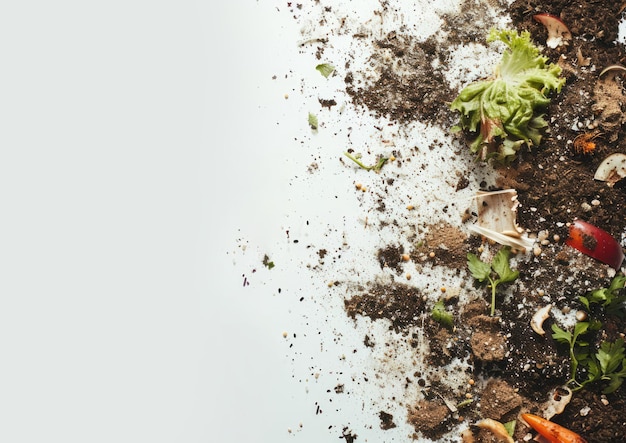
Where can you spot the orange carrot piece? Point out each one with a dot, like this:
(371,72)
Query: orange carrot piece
(551,431)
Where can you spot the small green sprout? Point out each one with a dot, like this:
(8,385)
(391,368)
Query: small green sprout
(441,316)
(375,167)
(496,272)
(578,349)
(313,123)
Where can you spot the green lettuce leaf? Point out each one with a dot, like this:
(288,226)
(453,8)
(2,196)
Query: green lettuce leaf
(506,112)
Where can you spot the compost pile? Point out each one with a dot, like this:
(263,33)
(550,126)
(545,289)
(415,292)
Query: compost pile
(505,367)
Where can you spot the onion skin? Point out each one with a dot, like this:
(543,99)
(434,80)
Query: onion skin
(596,243)
(551,431)
(558,32)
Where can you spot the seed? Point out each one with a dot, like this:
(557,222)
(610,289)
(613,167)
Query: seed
(556,237)
(581,315)
(408,276)
(284,334)
(537,251)
(443,289)
(410,207)
(471,382)
(431,255)
(358,186)
(406,257)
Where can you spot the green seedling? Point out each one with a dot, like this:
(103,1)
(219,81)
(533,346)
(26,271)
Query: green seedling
(495,273)
(578,349)
(356,158)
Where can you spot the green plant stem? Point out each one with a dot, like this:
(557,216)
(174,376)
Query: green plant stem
(493,285)
(376,167)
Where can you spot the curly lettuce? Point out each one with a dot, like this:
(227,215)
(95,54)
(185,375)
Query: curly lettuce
(506,111)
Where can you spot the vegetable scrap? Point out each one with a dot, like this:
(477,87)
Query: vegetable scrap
(497,219)
(551,431)
(558,32)
(596,243)
(325,69)
(506,110)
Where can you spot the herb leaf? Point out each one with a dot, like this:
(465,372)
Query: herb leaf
(501,266)
(484,271)
(325,69)
(480,271)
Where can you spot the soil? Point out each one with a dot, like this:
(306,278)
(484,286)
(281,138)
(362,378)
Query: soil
(555,185)
(512,367)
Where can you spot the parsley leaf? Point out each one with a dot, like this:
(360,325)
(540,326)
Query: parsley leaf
(495,273)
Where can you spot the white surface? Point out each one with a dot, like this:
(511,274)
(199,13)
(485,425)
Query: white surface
(121,195)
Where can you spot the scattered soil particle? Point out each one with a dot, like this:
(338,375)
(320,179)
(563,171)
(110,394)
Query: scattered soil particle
(449,243)
(429,417)
(391,257)
(386,420)
(348,435)
(398,303)
(407,86)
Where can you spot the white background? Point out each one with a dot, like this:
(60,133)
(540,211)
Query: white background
(139,141)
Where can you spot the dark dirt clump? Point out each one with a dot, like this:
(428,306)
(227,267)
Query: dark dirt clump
(398,303)
(408,87)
